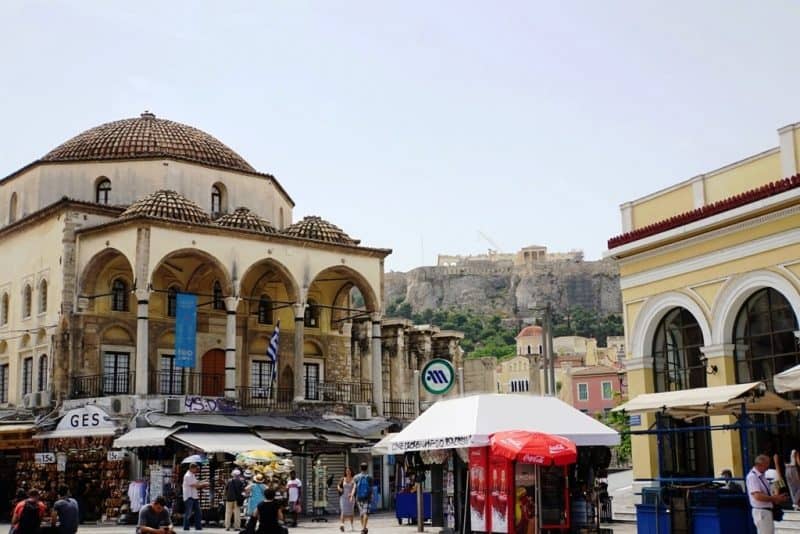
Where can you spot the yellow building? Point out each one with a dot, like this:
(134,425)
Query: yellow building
(710,279)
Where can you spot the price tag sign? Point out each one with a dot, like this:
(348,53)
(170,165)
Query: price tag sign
(116,456)
(45,458)
(61,460)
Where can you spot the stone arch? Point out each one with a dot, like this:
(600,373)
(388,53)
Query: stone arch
(117,333)
(107,266)
(737,290)
(654,309)
(207,262)
(260,270)
(355,278)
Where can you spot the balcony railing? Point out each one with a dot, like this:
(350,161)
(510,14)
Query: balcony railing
(399,409)
(265,399)
(103,385)
(344,392)
(185,382)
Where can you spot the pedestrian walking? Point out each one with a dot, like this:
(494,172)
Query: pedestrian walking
(295,489)
(362,493)
(191,497)
(234,499)
(346,503)
(255,491)
(761,499)
(65,512)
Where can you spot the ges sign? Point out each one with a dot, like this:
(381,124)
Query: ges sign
(85,418)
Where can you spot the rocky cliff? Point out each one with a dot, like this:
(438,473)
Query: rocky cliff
(509,291)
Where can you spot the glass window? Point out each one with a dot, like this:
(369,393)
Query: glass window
(583,392)
(103,191)
(311,378)
(264,310)
(311,314)
(27,375)
(608,391)
(119,295)
(43,296)
(4,383)
(216,201)
(171,379)
(27,297)
(12,208)
(4,310)
(261,378)
(116,373)
(172,301)
(42,373)
(218,301)
(677,360)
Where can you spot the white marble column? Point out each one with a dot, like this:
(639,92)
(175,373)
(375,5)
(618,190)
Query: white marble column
(377,364)
(142,337)
(231,303)
(299,375)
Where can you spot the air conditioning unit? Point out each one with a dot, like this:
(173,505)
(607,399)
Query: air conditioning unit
(121,405)
(45,399)
(173,405)
(362,411)
(31,400)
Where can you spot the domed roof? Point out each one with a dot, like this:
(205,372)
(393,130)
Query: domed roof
(166,204)
(148,137)
(244,219)
(313,227)
(533,330)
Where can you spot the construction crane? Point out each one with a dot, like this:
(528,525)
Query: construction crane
(491,242)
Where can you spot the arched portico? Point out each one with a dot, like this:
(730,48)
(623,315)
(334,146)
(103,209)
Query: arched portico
(97,281)
(653,310)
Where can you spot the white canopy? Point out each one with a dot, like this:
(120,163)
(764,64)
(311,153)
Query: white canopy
(717,400)
(469,421)
(230,442)
(789,380)
(382,447)
(148,436)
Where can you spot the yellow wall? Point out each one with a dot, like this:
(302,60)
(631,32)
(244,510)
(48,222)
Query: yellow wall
(743,177)
(663,206)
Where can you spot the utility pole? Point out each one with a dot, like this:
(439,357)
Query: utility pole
(549,319)
(545,355)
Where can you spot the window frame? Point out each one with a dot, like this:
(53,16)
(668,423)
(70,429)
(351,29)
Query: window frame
(102,191)
(217,297)
(261,378)
(119,295)
(583,398)
(172,380)
(27,301)
(42,378)
(27,375)
(264,313)
(42,300)
(4,370)
(5,303)
(610,389)
(115,386)
(311,314)
(172,301)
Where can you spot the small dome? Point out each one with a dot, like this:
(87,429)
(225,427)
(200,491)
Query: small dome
(148,137)
(529,331)
(244,219)
(313,227)
(166,204)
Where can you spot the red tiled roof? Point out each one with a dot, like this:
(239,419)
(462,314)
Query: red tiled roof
(703,212)
(532,330)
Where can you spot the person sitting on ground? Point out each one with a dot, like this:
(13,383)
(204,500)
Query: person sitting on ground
(28,514)
(269,514)
(154,518)
(65,512)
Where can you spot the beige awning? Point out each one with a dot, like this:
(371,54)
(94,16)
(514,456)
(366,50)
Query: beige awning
(288,435)
(717,400)
(230,442)
(16,428)
(336,438)
(150,436)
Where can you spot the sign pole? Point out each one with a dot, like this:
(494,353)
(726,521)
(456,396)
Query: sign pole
(460,381)
(415,391)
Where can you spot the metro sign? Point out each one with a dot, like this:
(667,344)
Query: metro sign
(438,376)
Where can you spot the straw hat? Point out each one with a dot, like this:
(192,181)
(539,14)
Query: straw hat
(259,478)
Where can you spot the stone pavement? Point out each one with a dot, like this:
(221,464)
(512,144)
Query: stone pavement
(381,523)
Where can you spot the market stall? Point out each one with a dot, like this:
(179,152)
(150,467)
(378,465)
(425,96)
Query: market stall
(706,507)
(466,423)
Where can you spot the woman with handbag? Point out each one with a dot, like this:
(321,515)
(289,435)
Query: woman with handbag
(346,504)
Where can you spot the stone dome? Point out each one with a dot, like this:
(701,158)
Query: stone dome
(244,219)
(533,330)
(313,227)
(148,137)
(166,204)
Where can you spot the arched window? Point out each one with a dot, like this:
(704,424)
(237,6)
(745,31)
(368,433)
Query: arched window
(219,200)
(172,301)
(311,315)
(119,295)
(103,191)
(43,296)
(677,365)
(218,301)
(27,300)
(12,208)
(677,358)
(4,310)
(280,218)
(42,372)
(529,349)
(264,310)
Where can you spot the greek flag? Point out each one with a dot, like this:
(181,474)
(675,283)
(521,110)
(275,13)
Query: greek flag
(272,351)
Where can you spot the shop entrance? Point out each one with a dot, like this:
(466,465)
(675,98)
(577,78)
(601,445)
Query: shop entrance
(212,383)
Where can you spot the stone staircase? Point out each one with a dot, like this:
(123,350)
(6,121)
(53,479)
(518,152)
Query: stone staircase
(790,523)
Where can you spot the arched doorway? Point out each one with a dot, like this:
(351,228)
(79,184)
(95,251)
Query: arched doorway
(678,365)
(765,341)
(212,383)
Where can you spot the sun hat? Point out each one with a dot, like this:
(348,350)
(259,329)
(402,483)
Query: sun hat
(259,478)
(236,473)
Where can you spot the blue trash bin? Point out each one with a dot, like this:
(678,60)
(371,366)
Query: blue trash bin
(653,519)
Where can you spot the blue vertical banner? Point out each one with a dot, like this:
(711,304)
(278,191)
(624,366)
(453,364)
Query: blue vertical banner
(185,330)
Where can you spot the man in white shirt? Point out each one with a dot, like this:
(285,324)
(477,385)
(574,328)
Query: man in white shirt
(295,489)
(191,498)
(761,498)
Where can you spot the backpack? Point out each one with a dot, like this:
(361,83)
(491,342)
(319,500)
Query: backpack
(29,518)
(363,488)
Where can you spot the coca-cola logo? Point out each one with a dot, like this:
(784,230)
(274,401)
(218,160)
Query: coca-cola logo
(532,459)
(558,447)
(512,442)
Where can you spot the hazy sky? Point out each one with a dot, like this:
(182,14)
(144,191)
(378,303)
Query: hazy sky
(415,125)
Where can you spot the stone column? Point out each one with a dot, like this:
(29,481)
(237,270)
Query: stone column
(726,448)
(299,375)
(142,338)
(231,303)
(377,364)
